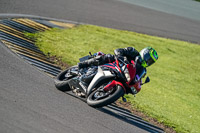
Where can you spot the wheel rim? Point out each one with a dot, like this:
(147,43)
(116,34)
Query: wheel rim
(101,94)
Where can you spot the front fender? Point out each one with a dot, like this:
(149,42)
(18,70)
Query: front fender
(112,84)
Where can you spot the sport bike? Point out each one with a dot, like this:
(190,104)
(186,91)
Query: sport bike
(104,84)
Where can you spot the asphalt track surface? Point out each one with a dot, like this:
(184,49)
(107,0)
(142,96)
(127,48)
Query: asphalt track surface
(110,13)
(184,8)
(29,101)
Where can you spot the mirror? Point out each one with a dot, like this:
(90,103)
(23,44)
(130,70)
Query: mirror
(147,80)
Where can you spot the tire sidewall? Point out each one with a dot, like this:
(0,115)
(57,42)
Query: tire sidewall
(108,100)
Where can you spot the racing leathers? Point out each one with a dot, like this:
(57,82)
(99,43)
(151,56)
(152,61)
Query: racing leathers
(125,54)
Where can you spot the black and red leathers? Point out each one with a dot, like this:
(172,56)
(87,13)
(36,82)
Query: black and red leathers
(125,54)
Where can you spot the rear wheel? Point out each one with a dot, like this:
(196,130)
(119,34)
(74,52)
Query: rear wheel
(62,79)
(100,98)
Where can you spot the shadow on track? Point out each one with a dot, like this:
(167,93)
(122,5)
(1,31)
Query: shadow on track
(125,115)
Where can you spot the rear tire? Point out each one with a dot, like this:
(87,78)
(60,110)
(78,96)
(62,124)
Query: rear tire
(118,92)
(61,82)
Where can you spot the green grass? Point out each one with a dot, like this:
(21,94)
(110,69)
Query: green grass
(172,96)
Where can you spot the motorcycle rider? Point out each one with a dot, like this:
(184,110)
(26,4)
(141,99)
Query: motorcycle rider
(144,58)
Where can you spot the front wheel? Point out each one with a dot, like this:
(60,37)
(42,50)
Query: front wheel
(100,98)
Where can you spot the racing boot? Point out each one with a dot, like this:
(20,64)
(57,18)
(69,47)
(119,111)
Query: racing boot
(90,62)
(83,64)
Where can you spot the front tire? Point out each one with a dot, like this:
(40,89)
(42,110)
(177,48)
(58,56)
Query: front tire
(118,91)
(61,81)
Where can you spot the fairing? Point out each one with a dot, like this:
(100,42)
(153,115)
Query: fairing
(101,75)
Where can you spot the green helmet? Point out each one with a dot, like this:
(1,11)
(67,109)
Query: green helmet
(149,56)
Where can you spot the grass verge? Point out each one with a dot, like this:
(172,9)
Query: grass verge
(172,96)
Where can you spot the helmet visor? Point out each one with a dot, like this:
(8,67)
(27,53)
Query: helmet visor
(148,59)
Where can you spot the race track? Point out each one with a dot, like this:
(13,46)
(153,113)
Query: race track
(31,103)
(111,13)
(28,98)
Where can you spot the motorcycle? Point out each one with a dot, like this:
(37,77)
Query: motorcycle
(104,84)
